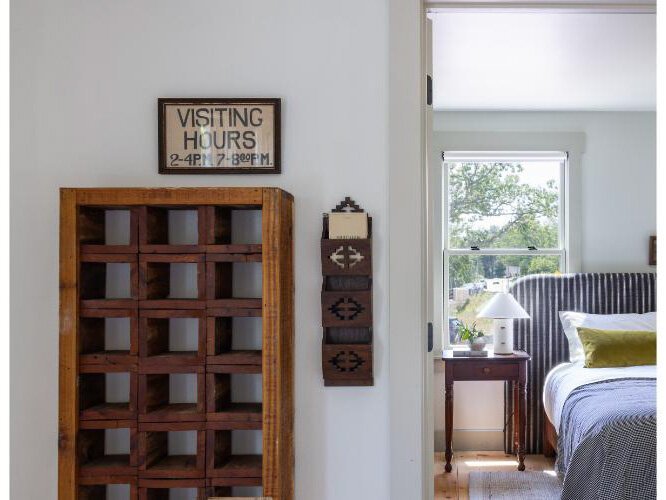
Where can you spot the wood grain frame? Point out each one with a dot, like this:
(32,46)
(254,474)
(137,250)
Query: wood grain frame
(277,135)
(277,311)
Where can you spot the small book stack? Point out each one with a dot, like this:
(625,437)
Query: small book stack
(468,353)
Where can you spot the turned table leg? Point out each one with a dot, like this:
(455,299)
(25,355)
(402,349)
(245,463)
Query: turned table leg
(448,431)
(522,423)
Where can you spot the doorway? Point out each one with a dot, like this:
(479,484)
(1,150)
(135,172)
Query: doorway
(508,79)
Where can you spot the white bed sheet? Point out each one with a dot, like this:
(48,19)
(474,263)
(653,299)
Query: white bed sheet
(566,377)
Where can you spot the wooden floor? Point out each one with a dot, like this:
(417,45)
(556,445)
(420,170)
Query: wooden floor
(454,484)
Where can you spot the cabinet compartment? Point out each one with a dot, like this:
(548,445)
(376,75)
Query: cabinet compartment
(164,450)
(108,281)
(108,488)
(222,462)
(172,337)
(107,392)
(230,411)
(223,342)
(166,394)
(232,228)
(108,336)
(107,448)
(108,229)
(220,289)
(165,489)
(172,229)
(159,288)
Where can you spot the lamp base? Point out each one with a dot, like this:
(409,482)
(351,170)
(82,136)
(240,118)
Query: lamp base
(503,336)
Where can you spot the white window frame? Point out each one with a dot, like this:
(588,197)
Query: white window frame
(504,145)
(449,157)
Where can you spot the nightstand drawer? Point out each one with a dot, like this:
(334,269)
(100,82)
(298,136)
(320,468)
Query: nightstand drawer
(483,370)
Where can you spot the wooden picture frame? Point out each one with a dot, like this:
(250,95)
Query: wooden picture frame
(652,255)
(219,135)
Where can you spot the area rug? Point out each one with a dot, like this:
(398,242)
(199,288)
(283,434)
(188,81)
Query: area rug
(514,486)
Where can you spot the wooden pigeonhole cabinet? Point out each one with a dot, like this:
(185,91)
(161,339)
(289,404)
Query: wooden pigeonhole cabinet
(148,300)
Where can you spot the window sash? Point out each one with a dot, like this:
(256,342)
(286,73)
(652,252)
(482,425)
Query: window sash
(505,156)
(476,156)
(505,251)
(471,156)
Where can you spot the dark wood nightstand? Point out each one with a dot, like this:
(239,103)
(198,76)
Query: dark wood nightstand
(508,367)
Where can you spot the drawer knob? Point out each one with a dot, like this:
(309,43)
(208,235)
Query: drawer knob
(486,369)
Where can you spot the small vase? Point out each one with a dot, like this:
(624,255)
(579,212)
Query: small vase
(477,345)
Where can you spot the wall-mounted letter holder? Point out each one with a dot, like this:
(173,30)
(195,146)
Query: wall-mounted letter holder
(346,303)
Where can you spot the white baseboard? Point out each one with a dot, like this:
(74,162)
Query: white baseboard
(472,440)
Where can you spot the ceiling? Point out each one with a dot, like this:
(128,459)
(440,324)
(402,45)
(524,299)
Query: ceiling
(544,61)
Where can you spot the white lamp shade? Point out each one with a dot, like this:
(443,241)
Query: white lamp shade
(502,306)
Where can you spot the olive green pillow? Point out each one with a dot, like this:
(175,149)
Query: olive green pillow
(608,348)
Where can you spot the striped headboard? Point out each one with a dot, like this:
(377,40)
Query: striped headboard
(543,296)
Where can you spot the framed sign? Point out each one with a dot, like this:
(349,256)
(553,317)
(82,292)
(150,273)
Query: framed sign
(219,136)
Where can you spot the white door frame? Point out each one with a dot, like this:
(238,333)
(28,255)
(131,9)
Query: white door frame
(410,439)
(410,366)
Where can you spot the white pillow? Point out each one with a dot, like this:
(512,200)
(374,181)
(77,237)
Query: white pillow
(572,320)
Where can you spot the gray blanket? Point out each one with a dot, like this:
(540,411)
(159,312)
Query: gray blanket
(607,441)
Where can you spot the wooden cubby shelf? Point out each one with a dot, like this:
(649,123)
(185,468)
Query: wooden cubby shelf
(95,401)
(92,230)
(169,351)
(220,349)
(157,289)
(156,458)
(108,336)
(234,253)
(221,408)
(226,415)
(220,462)
(155,388)
(154,234)
(236,361)
(98,290)
(161,342)
(94,460)
(159,489)
(219,284)
(97,487)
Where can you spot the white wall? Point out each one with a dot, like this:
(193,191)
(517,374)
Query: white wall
(85,79)
(618,212)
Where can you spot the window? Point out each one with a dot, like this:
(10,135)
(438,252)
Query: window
(503,219)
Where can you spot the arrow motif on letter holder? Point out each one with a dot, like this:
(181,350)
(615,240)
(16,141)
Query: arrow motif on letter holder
(346,309)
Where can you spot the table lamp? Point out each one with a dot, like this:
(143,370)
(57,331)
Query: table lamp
(503,308)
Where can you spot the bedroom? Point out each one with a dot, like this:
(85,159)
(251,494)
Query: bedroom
(530,177)
(173,333)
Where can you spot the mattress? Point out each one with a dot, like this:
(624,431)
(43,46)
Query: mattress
(566,377)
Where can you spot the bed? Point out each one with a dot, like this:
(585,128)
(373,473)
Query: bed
(543,297)
(602,422)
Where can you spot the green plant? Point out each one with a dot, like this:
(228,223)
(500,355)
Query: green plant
(469,333)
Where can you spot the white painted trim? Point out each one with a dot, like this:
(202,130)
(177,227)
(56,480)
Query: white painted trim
(410,467)
(476,144)
(509,141)
(472,439)
(537,7)
(454,156)
(505,251)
